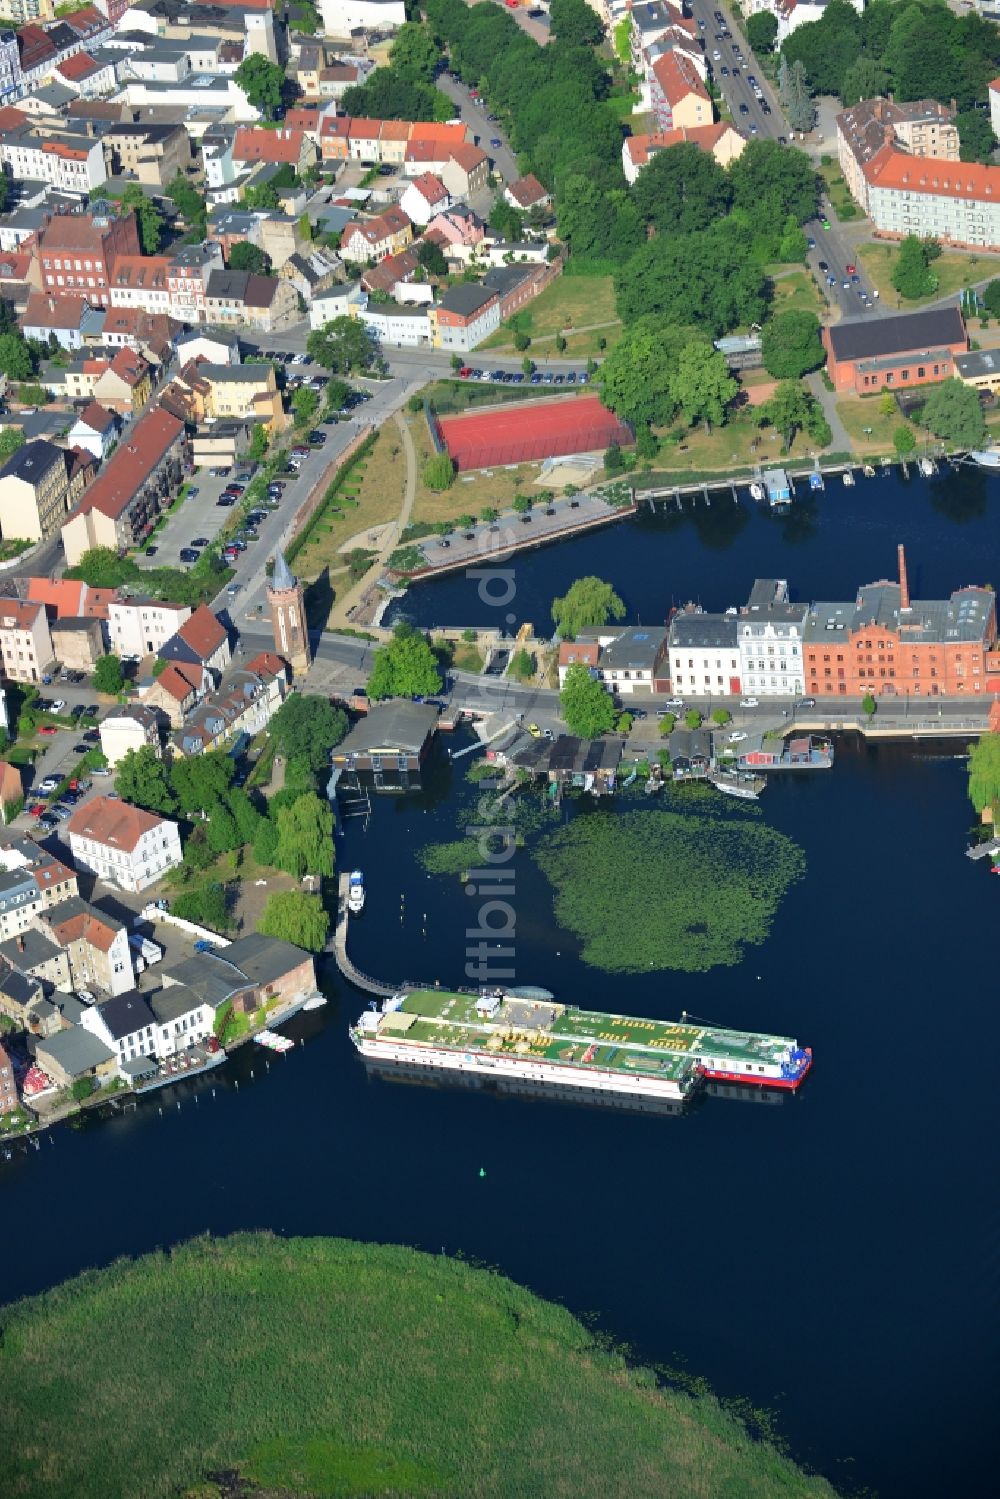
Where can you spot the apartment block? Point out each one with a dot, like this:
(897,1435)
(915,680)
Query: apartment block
(34,488)
(125,845)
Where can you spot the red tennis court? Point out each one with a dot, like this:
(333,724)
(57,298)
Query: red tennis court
(523,431)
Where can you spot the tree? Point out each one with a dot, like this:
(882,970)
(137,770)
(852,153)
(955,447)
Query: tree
(82,1087)
(414,54)
(245,814)
(574,24)
(221,832)
(692,719)
(188,201)
(406,667)
(489,513)
(206,906)
(521,340)
(667,725)
(338,393)
(682,190)
(108,676)
(762,31)
(984,775)
(263,83)
(788,410)
(991,298)
(798,102)
(305,404)
(12,438)
(637,378)
(887,403)
(387,94)
(790,345)
(868,706)
(505,220)
(527,366)
(704,280)
(342,345)
(308,726)
(201,781)
(262,195)
(975,133)
(305,837)
(721,716)
(702,384)
(258,443)
(141,779)
(903,441)
(439,472)
(149,219)
(265,841)
(15,357)
(521,504)
(247,257)
(952,411)
(864,79)
(432,258)
(793,245)
(586,603)
(587,709)
(293,917)
(911,274)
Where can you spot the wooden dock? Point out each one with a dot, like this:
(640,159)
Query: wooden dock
(350,972)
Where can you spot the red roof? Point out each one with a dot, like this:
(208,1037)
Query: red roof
(430,188)
(268,145)
(892,168)
(46,311)
(131,463)
(11,118)
(129,366)
(203,632)
(114,823)
(527,191)
(78,67)
(68,599)
(267,664)
(179,680)
(678,77)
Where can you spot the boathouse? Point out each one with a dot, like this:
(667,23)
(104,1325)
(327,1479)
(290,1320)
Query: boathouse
(392,741)
(586,764)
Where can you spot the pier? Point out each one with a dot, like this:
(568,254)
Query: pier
(346,967)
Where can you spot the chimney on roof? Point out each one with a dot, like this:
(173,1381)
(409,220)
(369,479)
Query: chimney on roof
(904,586)
(20,943)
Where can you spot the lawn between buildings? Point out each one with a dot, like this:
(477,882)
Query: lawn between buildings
(568,302)
(328,1367)
(954,271)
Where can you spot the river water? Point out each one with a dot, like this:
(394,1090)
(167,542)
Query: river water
(832,1256)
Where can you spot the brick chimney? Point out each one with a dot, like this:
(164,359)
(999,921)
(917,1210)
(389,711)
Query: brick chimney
(20,943)
(904,587)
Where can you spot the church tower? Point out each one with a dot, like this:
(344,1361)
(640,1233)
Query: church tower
(288,617)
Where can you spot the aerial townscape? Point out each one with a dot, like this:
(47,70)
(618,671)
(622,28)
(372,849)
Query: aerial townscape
(465,469)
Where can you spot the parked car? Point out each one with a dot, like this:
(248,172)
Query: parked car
(806,702)
(100,770)
(80,749)
(151,551)
(92,736)
(673,704)
(188,555)
(200,541)
(749,702)
(224,499)
(737,736)
(58,705)
(534,730)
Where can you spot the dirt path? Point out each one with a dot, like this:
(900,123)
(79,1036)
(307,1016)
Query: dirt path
(340,614)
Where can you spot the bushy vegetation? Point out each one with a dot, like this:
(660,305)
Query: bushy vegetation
(325,1367)
(718,880)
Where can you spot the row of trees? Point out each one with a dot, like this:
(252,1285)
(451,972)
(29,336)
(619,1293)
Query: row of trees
(405,89)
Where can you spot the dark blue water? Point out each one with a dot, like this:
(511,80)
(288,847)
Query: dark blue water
(825,546)
(832,1257)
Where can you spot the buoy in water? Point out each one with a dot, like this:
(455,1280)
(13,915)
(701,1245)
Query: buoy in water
(482,1171)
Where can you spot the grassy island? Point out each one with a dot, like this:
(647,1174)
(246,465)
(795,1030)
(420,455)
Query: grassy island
(324,1367)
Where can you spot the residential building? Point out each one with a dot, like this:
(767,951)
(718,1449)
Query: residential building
(78,251)
(121,844)
(627,659)
(10,58)
(71,162)
(67,598)
(376,238)
(400,327)
(704,655)
(151,153)
(568,761)
(8,1087)
(141,626)
(341,17)
(923,128)
(176,690)
(980,369)
(720,140)
(124,385)
(131,726)
(69,1055)
(678,96)
(244,705)
(34,487)
(139,478)
(201,640)
(214,348)
(45,314)
(886,644)
(240,299)
(248,973)
(865,355)
(527,193)
(430,145)
(77,643)
(95,944)
(465,315)
(466,173)
(392,741)
(89,75)
(126,1024)
(282,147)
(25,642)
(424,197)
(183,1017)
(31,881)
(96,429)
(770,630)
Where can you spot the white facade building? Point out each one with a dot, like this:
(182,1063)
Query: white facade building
(141,626)
(770,631)
(183,1019)
(704,655)
(341,17)
(121,844)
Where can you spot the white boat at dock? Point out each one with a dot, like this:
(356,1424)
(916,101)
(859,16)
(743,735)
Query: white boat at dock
(756,491)
(315,1002)
(273,1042)
(986,458)
(745,790)
(848,477)
(356,892)
(927,467)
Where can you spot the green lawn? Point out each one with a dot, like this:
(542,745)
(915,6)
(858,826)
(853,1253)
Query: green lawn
(621,105)
(728,447)
(322,1367)
(844,206)
(953,270)
(795,291)
(570,302)
(858,413)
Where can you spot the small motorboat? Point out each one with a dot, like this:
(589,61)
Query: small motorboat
(848,477)
(816,480)
(356,892)
(756,491)
(927,467)
(868,471)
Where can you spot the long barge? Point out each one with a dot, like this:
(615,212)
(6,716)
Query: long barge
(520,1034)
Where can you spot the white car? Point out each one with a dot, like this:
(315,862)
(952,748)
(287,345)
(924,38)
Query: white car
(298,359)
(737,737)
(674,702)
(749,702)
(58,705)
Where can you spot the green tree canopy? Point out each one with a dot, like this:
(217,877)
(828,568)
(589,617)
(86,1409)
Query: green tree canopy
(790,345)
(637,377)
(587,603)
(911,274)
(432,258)
(247,257)
(790,409)
(305,404)
(309,726)
(141,778)
(770,182)
(682,190)
(575,24)
(975,133)
(341,346)
(265,841)
(12,438)
(296,918)
(221,833)
(305,837)
(200,781)
(405,667)
(15,357)
(149,219)
(188,201)
(864,79)
(762,31)
(704,280)
(587,709)
(414,53)
(439,471)
(991,298)
(903,441)
(952,411)
(108,676)
(263,82)
(388,94)
(984,775)
(702,384)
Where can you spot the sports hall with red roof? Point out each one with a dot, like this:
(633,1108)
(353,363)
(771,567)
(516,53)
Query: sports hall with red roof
(523,431)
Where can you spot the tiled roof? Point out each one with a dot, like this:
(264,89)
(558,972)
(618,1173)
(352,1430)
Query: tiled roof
(46,311)
(78,67)
(72,231)
(203,632)
(68,599)
(96,418)
(892,168)
(640,147)
(116,824)
(267,664)
(74,921)
(179,681)
(468,156)
(131,464)
(527,190)
(678,78)
(268,145)
(430,188)
(129,366)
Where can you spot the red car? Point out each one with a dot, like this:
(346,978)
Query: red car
(48,728)
(36,809)
(465,372)
(852,270)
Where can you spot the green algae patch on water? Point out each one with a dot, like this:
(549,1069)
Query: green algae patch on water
(664,890)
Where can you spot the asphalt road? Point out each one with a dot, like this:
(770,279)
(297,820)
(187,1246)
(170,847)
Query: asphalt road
(831,246)
(473,113)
